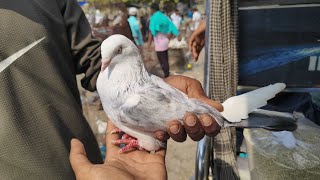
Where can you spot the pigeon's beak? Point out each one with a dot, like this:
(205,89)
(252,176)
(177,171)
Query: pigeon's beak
(105,64)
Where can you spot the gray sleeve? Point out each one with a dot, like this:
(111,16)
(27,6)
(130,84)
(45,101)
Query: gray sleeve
(84,48)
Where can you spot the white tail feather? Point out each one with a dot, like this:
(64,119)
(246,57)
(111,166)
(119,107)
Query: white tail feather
(238,107)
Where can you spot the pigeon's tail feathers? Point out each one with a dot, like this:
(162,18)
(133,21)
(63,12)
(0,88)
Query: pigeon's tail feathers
(201,108)
(259,97)
(238,107)
(267,92)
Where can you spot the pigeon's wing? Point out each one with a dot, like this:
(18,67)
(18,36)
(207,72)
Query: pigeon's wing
(172,90)
(150,108)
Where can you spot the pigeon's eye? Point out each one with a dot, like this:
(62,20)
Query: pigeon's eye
(119,50)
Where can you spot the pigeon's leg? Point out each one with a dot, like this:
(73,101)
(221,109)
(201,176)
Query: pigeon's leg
(132,144)
(126,136)
(129,141)
(115,130)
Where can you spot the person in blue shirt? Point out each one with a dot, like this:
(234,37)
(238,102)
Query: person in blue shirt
(189,14)
(161,29)
(135,28)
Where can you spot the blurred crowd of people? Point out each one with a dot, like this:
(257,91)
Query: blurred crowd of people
(184,19)
(134,23)
(163,28)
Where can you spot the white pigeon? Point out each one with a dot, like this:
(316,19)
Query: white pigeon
(140,104)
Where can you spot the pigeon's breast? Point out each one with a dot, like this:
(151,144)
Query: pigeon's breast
(111,92)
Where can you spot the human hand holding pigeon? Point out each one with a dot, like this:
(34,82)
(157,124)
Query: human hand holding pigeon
(134,165)
(193,126)
(141,104)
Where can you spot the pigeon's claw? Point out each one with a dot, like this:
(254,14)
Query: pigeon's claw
(115,130)
(128,137)
(130,143)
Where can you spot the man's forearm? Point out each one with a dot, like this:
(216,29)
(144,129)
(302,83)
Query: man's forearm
(149,39)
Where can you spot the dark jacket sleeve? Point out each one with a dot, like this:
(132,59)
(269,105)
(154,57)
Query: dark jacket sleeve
(84,48)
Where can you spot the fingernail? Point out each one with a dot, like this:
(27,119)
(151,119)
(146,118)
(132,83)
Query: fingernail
(174,129)
(190,121)
(72,141)
(206,121)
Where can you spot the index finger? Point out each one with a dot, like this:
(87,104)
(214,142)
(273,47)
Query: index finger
(194,51)
(192,39)
(211,102)
(195,90)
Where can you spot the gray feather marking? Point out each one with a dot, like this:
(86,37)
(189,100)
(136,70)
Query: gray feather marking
(155,108)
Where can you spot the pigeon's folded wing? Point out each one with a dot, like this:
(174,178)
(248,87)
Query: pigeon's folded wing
(150,108)
(175,92)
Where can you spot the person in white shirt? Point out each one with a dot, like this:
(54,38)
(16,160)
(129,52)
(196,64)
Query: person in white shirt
(176,18)
(196,19)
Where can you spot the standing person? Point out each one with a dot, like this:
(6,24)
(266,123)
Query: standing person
(144,27)
(176,18)
(135,28)
(120,24)
(45,44)
(189,13)
(196,19)
(161,27)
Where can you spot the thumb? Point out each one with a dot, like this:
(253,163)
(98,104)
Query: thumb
(78,158)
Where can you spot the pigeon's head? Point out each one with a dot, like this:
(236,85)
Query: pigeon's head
(115,49)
